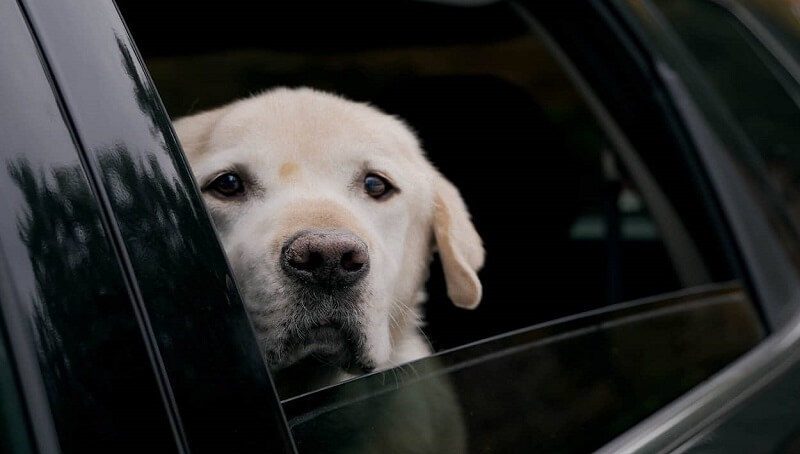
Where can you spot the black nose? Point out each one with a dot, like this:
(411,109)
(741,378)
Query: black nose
(326,258)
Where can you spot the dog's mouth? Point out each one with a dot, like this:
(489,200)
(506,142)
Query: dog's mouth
(329,343)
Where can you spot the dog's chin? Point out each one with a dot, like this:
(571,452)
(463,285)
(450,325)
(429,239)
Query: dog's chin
(319,357)
(330,345)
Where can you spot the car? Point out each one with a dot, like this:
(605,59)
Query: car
(653,306)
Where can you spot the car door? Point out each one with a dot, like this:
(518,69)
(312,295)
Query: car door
(125,330)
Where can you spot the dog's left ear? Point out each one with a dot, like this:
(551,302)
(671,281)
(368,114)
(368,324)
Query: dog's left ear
(460,247)
(194,131)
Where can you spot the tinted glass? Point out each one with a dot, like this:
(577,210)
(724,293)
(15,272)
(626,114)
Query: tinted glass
(740,101)
(567,386)
(759,94)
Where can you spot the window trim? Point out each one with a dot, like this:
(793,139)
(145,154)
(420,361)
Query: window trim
(60,31)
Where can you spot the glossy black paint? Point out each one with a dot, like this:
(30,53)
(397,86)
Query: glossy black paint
(82,363)
(114,272)
(14,426)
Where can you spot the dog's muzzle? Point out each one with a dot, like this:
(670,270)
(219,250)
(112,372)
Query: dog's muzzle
(325,268)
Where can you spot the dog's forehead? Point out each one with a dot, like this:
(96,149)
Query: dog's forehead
(308,123)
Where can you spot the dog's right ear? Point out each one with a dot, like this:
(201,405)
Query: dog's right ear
(194,131)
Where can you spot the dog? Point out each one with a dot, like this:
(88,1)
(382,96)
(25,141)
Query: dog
(330,213)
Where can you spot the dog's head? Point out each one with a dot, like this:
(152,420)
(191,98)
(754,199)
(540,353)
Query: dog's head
(329,213)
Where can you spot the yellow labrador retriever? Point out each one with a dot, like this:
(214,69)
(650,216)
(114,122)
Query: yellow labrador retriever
(329,213)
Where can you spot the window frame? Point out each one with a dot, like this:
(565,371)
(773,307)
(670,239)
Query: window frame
(190,386)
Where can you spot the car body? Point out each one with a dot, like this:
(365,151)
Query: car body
(122,329)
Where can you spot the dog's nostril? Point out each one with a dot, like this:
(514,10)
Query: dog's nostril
(307,262)
(350,262)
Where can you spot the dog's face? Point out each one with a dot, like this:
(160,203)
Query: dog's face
(329,213)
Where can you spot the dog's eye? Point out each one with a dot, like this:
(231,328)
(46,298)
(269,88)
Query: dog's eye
(228,185)
(376,186)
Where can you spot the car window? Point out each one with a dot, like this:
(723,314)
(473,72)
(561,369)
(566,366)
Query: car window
(732,58)
(603,274)
(732,55)
(713,56)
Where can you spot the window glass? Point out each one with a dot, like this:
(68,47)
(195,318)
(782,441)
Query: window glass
(567,386)
(742,60)
(597,289)
(737,86)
